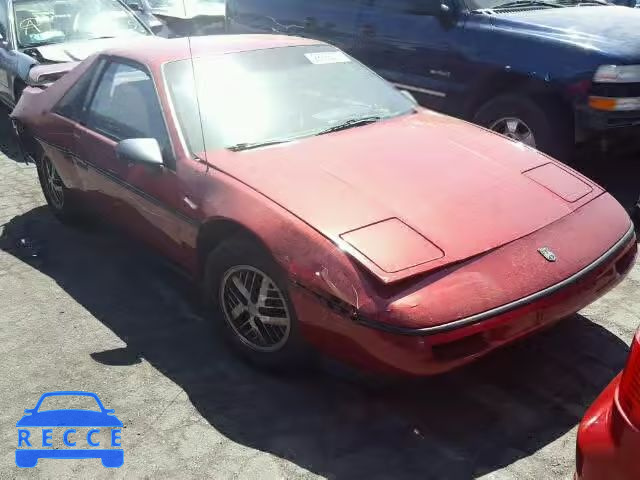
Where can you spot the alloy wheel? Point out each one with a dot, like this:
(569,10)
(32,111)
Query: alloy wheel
(515,129)
(255,308)
(53,184)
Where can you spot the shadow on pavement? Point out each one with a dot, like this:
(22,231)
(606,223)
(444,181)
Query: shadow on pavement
(467,423)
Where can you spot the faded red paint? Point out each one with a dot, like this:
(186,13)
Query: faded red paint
(480,207)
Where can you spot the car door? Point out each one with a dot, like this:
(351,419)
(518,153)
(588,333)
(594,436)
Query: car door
(332,21)
(407,42)
(142,199)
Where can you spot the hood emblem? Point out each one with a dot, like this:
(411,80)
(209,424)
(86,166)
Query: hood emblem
(548,254)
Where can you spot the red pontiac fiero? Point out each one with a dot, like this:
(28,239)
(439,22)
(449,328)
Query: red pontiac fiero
(319,207)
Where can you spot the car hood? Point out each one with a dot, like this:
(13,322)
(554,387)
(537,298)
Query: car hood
(431,189)
(78,50)
(69,418)
(608,29)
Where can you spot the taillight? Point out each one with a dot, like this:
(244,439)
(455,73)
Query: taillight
(629,390)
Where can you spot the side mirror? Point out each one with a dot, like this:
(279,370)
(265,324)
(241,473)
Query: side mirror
(143,151)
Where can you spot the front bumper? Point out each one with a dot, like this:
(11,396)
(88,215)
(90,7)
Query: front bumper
(427,351)
(591,120)
(607,445)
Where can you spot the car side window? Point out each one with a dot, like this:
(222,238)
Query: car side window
(125,105)
(71,105)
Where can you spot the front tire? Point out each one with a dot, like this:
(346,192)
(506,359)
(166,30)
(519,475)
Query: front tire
(539,123)
(247,293)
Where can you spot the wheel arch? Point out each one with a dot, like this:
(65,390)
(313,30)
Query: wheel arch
(28,142)
(503,83)
(215,231)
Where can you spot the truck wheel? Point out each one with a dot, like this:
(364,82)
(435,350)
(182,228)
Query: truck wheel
(248,295)
(540,124)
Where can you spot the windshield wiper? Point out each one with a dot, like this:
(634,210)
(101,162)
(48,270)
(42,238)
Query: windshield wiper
(526,3)
(249,145)
(589,2)
(354,122)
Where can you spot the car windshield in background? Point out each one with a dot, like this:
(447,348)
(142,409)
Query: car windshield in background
(65,402)
(276,95)
(44,22)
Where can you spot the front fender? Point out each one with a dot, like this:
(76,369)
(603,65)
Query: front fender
(309,259)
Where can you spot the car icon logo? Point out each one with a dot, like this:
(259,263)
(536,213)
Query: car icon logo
(39,430)
(547,254)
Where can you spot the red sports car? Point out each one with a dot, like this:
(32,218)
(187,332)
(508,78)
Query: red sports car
(319,206)
(609,435)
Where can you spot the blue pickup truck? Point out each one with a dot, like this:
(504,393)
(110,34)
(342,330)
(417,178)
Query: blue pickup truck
(549,73)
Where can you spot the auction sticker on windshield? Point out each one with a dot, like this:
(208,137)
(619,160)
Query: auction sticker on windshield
(323,58)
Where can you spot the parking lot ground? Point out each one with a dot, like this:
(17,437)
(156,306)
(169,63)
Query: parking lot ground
(85,309)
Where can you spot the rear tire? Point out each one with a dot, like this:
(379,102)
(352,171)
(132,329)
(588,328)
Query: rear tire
(247,293)
(512,115)
(61,200)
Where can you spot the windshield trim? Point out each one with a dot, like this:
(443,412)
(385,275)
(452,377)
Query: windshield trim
(186,149)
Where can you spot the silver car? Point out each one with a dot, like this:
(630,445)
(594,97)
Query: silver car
(57,31)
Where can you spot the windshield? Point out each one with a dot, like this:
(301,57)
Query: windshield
(43,22)
(275,95)
(65,402)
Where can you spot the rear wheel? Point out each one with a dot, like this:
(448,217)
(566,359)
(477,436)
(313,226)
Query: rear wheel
(249,297)
(539,123)
(59,198)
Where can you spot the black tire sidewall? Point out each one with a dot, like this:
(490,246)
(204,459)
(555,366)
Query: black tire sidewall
(70,213)
(242,251)
(58,212)
(551,126)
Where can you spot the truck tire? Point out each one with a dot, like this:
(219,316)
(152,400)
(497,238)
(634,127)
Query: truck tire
(539,123)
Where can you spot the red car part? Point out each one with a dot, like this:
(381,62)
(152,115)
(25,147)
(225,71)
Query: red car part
(397,261)
(608,446)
